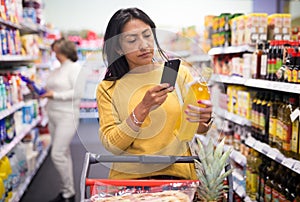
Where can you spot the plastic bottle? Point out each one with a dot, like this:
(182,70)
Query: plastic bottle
(198,90)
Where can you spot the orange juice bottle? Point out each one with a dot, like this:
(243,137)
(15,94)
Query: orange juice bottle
(197,90)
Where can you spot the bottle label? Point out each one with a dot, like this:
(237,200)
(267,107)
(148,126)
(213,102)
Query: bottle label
(262,122)
(262,188)
(275,196)
(253,183)
(248,179)
(289,75)
(295,76)
(263,66)
(287,128)
(268,194)
(295,137)
(279,129)
(298,76)
(282,198)
(272,127)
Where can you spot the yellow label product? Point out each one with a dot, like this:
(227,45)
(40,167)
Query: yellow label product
(197,91)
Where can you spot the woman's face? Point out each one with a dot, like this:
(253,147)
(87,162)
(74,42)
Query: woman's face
(137,43)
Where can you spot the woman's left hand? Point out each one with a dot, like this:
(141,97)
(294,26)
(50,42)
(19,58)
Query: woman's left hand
(48,94)
(201,113)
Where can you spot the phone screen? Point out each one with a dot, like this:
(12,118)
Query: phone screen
(170,72)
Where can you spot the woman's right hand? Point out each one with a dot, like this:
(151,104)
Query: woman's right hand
(153,98)
(156,96)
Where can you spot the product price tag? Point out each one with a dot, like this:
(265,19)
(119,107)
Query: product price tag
(279,158)
(296,167)
(266,149)
(295,114)
(240,191)
(250,142)
(259,146)
(288,162)
(273,153)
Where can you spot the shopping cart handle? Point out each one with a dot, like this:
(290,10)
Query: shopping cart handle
(145,159)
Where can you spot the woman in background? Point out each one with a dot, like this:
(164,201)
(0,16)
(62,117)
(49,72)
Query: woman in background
(137,113)
(63,112)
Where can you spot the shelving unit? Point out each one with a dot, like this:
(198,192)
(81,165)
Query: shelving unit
(231,49)
(232,117)
(17,195)
(23,130)
(11,110)
(274,154)
(257,83)
(27,128)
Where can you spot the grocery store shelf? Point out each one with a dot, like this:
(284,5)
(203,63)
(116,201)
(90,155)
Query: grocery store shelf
(17,195)
(198,58)
(17,58)
(236,156)
(88,115)
(274,154)
(273,85)
(43,66)
(11,110)
(27,128)
(228,79)
(232,117)
(257,83)
(10,24)
(231,49)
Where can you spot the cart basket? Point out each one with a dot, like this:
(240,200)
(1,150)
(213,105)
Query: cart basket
(157,185)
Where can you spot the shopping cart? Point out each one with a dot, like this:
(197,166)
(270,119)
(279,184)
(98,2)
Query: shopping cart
(157,185)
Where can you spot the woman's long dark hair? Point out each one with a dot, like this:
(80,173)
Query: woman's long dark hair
(117,65)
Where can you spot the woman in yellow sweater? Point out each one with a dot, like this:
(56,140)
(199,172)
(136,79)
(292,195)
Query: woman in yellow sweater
(137,113)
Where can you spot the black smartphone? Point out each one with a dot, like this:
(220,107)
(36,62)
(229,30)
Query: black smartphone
(170,72)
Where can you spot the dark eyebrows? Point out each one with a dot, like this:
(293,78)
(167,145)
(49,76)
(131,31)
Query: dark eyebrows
(143,32)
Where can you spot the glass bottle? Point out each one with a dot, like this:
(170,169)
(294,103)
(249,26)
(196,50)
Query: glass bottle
(269,182)
(257,61)
(287,127)
(256,162)
(264,59)
(273,119)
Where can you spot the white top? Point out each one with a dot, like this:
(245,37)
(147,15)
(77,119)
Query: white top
(63,81)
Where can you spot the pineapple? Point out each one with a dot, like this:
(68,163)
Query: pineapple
(209,170)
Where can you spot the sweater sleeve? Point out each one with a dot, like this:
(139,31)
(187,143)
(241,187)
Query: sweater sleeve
(115,135)
(75,90)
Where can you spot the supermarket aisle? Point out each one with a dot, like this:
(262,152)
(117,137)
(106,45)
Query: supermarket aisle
(45,184)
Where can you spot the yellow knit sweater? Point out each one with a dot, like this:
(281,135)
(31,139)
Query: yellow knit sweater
(156,135)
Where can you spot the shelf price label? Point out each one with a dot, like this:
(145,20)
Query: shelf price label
(296,167)
(288,162)
(259,146)
(273,153)
(250,142)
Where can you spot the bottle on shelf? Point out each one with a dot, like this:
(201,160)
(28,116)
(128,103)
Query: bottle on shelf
(269,182)
(249,167)
(262,178)
(287,127)
(264,118)
(271,62)
(294,143)
(256,65)
(264,62)
(256,162)
(258,115)
(278,189)
(253,116)
(278,138)
(273,119)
